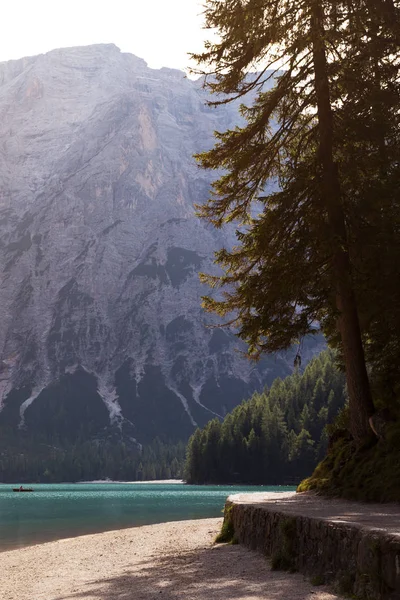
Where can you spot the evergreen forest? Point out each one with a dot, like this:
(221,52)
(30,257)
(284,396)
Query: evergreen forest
(311,180)
(29,459)
(276,437)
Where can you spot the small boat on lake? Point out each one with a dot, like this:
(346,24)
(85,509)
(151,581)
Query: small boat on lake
(22,489)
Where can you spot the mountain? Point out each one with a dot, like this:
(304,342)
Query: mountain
(101,326)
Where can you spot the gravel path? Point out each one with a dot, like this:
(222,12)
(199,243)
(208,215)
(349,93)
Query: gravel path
(170,561)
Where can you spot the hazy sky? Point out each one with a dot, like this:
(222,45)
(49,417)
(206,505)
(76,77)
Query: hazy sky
(160,31)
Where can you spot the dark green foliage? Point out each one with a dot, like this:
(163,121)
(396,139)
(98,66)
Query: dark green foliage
(345,584)
(368,473)
(24,458)
(284,558)
(277,436)
(227,533)
(322,244)
(280,562)
(318,580)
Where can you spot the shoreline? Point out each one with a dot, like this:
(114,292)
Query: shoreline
(175,561)
(95,532)
(158,481)
(90,508)
(95,481)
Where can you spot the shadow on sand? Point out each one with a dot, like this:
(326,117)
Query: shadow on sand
(219,572)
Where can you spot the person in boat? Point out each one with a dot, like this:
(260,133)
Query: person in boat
(21,488)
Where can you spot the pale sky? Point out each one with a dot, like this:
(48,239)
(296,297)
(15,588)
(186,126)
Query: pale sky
(160,31)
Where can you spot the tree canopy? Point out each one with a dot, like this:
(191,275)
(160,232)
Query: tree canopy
(277,436)
(26,457)
(320,245)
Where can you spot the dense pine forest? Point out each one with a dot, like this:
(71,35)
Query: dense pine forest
(276,437)
(31,460)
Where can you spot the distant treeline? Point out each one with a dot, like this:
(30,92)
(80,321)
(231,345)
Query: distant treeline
(277,436)
(28,460)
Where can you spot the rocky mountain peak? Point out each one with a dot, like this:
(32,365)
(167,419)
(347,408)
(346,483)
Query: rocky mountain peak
(100,250)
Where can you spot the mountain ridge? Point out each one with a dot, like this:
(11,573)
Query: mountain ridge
(100,250)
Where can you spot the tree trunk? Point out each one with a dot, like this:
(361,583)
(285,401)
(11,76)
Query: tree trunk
(360,400)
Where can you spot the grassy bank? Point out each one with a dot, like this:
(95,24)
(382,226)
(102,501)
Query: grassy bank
(368,473)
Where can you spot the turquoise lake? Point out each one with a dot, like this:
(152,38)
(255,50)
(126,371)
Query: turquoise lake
(55,511)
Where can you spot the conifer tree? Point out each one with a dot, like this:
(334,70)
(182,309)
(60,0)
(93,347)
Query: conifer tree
(256,444)
(295,261)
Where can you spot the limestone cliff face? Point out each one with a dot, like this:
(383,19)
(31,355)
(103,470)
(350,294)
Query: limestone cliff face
(100,250)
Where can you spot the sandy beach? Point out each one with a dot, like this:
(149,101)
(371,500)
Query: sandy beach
(174,561)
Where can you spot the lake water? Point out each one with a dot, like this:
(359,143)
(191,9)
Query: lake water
(55,511)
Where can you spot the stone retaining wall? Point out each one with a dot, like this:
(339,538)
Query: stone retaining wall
(357,560)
